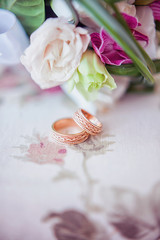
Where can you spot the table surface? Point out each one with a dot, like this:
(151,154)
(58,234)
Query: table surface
(105,188)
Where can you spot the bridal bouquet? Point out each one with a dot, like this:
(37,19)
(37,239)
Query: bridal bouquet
(84,43)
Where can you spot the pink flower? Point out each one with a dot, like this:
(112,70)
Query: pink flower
(55,52)
(155,6)
(43,151)
(145,17)
(108,50)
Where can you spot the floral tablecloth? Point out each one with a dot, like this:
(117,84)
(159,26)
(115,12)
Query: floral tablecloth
(105,188)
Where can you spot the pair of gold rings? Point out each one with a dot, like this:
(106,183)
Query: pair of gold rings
(77,129)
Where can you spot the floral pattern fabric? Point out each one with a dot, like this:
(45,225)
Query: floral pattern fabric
(105,188)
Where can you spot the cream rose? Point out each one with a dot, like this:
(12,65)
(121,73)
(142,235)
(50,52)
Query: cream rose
(127,7)
(145,17)
(55,52)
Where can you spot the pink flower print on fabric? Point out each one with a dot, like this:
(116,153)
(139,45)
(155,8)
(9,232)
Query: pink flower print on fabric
(108,50)
(155,6)
(46,152)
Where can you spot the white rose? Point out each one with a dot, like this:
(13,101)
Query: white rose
(55,52)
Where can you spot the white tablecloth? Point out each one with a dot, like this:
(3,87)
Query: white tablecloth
(105,188)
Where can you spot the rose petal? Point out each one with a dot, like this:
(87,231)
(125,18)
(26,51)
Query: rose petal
(55,52)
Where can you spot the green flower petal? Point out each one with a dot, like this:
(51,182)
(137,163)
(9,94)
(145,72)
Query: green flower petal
(90,76)
(98,65)
(110,83)
(73,81)
(86,65)
(89,96)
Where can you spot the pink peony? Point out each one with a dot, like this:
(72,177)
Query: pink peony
(108,50)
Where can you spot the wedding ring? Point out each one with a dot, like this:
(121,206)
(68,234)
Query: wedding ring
(88,122)
(67,131)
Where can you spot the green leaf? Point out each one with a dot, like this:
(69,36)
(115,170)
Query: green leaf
(30,13)
(123,70)
(129,69)
(116,30)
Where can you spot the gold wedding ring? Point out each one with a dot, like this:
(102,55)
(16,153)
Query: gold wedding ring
(77,129)
(67,131)
(88,122)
